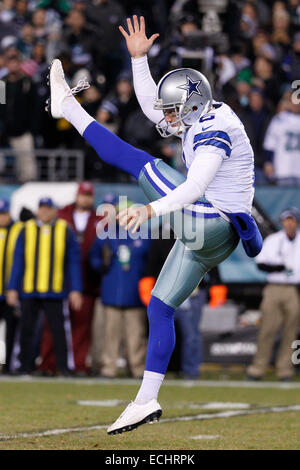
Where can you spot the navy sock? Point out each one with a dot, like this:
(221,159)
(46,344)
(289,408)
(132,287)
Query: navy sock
(113,150)
(162,339)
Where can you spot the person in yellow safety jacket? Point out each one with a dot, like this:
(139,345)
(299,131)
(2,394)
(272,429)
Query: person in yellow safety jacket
(45,271)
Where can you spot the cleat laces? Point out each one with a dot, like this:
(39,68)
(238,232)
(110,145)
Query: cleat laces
(82,84)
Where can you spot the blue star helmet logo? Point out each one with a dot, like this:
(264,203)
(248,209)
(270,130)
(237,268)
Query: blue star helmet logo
(191,87)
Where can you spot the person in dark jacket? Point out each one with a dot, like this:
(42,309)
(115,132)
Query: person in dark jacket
(256,118)
(45,271)
(18,117)
(124,260)
(108,55)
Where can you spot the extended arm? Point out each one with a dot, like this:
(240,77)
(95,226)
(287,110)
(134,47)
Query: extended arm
(144,86)
(200,174)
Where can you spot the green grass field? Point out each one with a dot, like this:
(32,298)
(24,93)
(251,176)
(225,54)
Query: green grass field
(37,406)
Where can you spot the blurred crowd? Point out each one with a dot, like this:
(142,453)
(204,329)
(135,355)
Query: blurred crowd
(250,51)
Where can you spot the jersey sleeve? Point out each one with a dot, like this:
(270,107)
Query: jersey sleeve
(271,137)
(145,89)
(212,135)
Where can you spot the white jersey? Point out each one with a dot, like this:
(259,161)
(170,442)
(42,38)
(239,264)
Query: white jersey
(221,131)
(278,249)
(283,138)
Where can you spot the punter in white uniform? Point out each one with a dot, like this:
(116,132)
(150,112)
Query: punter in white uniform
(209,209)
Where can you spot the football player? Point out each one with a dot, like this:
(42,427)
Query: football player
(214,200)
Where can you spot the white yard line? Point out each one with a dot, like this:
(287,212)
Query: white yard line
(104,403)
(218,406)
(167,382)
(222,414)
(202,436)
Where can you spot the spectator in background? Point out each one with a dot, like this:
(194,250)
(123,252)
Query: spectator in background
(142,134)
(108,212)
(123,261)
(18,117)
(22,15)
(119,105)
(7,12)
(105,16)
(262,46)
(280,35)
(280,307)
(91,100)
(39,23)
(62,6)
(239,58)
(78,38)
(9,232)
(45,271)
(81,216)
(26,40)
(282,146)
(47,27)
(266,80)
(256,118)
(294,10)
(249,20)
(291,62)
(243,89)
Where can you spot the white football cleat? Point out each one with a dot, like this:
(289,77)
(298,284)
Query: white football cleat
(59,89)
(135,415)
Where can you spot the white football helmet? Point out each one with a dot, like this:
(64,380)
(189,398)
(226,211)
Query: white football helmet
(188,92)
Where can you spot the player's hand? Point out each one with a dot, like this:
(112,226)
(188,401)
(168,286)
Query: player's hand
(135,217)
(75,299)
(137,43)
(12,297)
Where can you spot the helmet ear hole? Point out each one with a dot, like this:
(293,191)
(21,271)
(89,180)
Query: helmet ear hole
(195,108)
